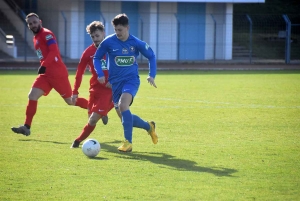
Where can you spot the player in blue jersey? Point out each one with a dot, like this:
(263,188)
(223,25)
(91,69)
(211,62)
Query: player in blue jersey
(123,49)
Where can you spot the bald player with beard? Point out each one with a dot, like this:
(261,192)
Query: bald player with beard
(52,73)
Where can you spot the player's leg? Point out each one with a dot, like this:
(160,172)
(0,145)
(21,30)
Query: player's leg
(81,102)
(100,105)
(63,87)
(103,104)
(39,87)
(69,101)
(127,122)
(149,126)
(136,120)
(118,112)
(132,88)
(33,96)
(100,102)
(128,91)
(87,130)
(140,123)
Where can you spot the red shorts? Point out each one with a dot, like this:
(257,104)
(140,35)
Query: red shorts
(61,85)
(100,103)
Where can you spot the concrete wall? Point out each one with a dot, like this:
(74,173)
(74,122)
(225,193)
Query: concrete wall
(154,22)
(221,14)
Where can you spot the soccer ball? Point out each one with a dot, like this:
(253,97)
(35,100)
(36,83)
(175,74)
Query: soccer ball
(91,148)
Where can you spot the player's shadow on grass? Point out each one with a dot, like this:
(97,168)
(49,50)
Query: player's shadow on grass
(34,140)
(170,161)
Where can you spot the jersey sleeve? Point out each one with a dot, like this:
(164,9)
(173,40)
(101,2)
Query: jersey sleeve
(80,72)
(100,52)
(147,51)
(51,43)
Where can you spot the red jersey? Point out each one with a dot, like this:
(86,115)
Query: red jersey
(86,60)
(47,51)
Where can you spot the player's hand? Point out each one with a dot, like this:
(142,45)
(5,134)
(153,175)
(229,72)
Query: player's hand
(151,81)
(42,70)
(108,85)
(74,99)
(101,80)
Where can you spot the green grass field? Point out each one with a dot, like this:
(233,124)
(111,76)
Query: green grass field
(223,135)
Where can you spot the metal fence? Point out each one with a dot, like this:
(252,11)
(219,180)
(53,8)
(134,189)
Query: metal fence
(266,37)
(255,37)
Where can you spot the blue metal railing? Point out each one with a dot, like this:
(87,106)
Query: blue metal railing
(142,32)
(65,31)
(287,39)
(250,38)
(178,37)
(215,37)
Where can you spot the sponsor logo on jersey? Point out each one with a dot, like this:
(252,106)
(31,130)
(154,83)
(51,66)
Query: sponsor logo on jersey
(124,51)
(39,54)
(49,36)
(132,49)
(147,46)
(124,60)
(36,42)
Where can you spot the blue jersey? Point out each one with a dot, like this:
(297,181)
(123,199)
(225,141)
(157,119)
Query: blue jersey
(122,58)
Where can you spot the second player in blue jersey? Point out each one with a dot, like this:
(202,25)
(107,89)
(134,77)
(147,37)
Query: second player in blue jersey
(123,49)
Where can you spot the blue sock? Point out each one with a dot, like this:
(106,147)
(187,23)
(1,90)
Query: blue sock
(140,123)
(127,125)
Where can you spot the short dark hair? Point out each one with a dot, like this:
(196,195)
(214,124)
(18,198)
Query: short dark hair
(93,26)
(30,15)
(120,19)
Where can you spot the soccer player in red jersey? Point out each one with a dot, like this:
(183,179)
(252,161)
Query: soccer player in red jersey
(52,73)
(100,100)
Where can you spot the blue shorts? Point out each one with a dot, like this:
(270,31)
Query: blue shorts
(127,86)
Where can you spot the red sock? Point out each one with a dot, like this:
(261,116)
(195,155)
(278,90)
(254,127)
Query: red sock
(87,130)
(30,111)
(82,102)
